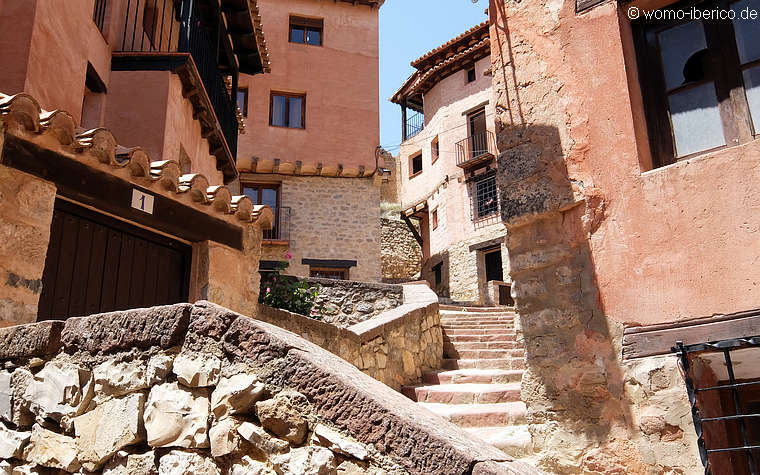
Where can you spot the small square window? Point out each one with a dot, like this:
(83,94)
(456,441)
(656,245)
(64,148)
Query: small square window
(471,75)
(306,30)
(287,110)
(435,150)
(329,273)
(415,165)
(487,199)
(242,101)
(434,218)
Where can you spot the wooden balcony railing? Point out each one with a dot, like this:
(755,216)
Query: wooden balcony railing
(476,149)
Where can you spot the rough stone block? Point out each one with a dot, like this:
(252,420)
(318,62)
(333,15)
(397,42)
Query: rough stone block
(305,461)
(113,378)
(224,437)
(6,392)
(176,462)
(159,368)
(52,450)
(12,442)
(260,439)
(283,418)
(248,466)
(34,339)
(177,417)
(124,463)
(141,328)
(236,395)
(334,441)
(59,391)
(197,371)
(21,379)
(111,426)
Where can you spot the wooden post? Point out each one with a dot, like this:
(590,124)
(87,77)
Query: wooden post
(403,120)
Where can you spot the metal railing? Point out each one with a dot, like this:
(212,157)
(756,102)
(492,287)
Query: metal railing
(746,448)
(175,26)
(99,13)
(414,125)
(476,147)
(281,228)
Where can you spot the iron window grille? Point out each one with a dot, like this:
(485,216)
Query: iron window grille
(740,429)
(486,198)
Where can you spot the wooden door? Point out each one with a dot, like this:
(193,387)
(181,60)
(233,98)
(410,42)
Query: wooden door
(98,264)
(477,129)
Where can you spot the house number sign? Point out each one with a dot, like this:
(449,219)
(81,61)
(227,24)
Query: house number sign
(142,201)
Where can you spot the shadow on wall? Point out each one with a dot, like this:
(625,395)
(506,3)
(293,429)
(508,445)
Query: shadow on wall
(574,385)
(436,271)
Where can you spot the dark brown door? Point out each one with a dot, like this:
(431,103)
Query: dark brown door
(98,264)
(477,126)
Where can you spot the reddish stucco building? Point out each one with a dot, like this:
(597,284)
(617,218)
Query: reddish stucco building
(120,132)
(448,170)
(312,134)
(628,178)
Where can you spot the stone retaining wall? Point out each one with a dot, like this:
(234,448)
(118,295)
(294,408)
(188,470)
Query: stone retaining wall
(394,347)
(200,389)
(400,254)
(347,302)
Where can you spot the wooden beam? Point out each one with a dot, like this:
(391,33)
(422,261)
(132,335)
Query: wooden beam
(412,228)
(639,342)
(276,166)
(101,190)
(254,164)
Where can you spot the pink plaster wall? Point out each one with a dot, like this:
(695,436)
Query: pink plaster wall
(340,80)
(48,43)
(444,105)
(667,244)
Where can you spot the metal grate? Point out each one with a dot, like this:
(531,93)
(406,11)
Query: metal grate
(414,125)
(486,198)
(745,455)
(99,13)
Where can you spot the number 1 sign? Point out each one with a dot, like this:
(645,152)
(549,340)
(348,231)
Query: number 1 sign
(142,201)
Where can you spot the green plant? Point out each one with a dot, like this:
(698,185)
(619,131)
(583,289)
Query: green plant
(291,294)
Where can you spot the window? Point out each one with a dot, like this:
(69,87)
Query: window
(415,165)
(267,194)
(242,101)
(471,75)
(329,273)
(287,110)
(486,196)
(434,218)
(306,30)
(690,72)
(435,150)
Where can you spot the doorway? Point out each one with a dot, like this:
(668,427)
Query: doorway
(494,269)
(477,129)
(98,264)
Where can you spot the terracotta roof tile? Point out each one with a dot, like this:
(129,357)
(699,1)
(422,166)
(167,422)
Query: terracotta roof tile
(23,116)
(474,30)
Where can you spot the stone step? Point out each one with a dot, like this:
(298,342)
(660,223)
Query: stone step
(464,393)
(480,376)
(496,363)
(482,345)
(484,354)
(513,440)
(478,331)
(480,415)
(494,326)
(480,321)
(465,309)
(501,336)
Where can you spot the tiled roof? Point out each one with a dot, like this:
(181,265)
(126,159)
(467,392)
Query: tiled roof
(419,78)
(259,35)
(97,148)
(474,31)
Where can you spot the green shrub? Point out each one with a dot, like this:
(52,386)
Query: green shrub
(290,293)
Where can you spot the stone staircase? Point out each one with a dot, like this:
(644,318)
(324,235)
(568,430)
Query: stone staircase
(478,387)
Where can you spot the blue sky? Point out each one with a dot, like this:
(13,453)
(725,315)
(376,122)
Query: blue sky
(409,29)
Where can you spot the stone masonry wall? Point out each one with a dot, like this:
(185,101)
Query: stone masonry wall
(395,347)
(589,411)
(24,234)
(199,389)
(346,302)
(400,254)
(333,218)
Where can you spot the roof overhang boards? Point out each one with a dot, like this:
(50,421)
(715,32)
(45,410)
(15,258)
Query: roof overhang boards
(244,28)
(88,167)
(369,3)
